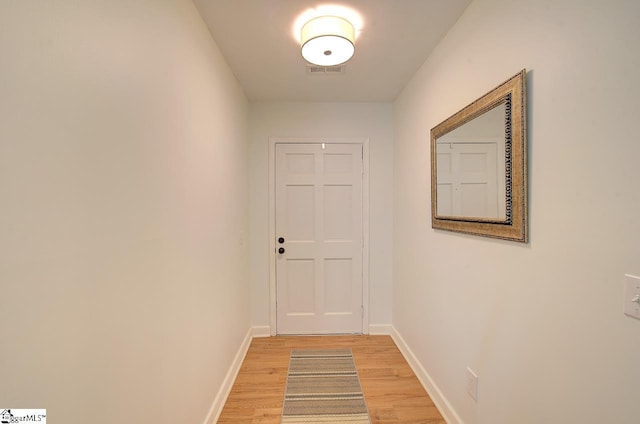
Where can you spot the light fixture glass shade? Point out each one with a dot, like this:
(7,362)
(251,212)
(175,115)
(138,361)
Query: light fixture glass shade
(327,40)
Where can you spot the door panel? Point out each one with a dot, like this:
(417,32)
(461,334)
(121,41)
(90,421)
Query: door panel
(338,205)
(300,210)
(319,214)
(300,296)
(337,285)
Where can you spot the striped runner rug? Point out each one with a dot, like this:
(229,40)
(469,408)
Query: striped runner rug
(323,387)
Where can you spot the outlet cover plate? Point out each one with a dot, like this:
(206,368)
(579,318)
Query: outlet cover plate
(632,296)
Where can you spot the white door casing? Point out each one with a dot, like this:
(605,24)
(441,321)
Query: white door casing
(319,206)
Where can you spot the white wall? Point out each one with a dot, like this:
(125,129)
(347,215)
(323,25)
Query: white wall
(371,120)
(123,210)
(541,323)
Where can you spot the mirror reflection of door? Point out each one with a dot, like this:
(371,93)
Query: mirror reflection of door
(468,181)
(471,168)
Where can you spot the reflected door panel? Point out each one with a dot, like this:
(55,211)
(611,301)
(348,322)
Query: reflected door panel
(468,183)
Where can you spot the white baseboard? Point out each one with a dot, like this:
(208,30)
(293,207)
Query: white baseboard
(441,402)
(261,331)
(229,379)
(380,329)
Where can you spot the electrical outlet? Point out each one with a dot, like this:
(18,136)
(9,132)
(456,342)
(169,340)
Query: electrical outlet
(632,296)
(472,384)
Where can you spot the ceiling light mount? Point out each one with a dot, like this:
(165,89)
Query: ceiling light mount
(327,40)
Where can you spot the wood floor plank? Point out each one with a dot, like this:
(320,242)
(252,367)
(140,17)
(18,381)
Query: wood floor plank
(392,391)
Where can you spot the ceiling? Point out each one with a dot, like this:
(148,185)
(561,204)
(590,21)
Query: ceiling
(395,37)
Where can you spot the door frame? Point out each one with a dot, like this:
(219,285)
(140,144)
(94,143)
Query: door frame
(364,142)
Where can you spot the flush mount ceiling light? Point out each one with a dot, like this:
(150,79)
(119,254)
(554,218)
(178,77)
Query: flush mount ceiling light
(327,40)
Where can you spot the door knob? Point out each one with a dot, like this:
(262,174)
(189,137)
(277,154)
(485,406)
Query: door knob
(281,240)
(281,250)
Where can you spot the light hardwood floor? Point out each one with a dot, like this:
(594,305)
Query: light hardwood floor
(392,392)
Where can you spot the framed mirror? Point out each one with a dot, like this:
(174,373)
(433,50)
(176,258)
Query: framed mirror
(479,166)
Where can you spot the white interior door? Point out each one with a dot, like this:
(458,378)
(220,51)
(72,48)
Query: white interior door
(319,238)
